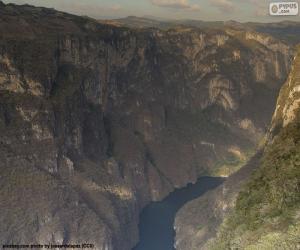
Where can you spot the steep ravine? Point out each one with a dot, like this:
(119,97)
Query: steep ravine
(96,121)
(258,207)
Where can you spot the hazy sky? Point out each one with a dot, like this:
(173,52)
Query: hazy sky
(240,10)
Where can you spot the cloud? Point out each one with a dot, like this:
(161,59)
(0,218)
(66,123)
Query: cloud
(92,10)
(259,8)
(95,10)
(261,12)
(176,4)
(224,6)
(116,7)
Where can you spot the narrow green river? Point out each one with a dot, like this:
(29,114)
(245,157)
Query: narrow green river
(157,219)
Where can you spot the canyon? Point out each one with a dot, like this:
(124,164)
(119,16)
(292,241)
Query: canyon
(97,120)
(258,206)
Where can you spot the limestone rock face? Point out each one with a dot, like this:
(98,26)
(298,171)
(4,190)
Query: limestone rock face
(289,99)
(96,121)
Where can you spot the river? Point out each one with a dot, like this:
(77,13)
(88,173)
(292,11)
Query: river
(157,219)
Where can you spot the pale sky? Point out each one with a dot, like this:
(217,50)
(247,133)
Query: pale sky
(207,10)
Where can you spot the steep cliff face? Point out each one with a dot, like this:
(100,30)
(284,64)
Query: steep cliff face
(96,121)
(258,211)
(288,102)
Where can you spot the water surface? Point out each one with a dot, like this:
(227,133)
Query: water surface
(157,219)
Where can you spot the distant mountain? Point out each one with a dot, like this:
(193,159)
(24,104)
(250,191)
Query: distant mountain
(151,22)
(136,22)
(287,31)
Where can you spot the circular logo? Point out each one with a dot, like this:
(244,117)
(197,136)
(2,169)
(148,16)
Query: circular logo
(274,9)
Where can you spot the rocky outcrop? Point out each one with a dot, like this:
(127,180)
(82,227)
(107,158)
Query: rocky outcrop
(96,121)
(289,100)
